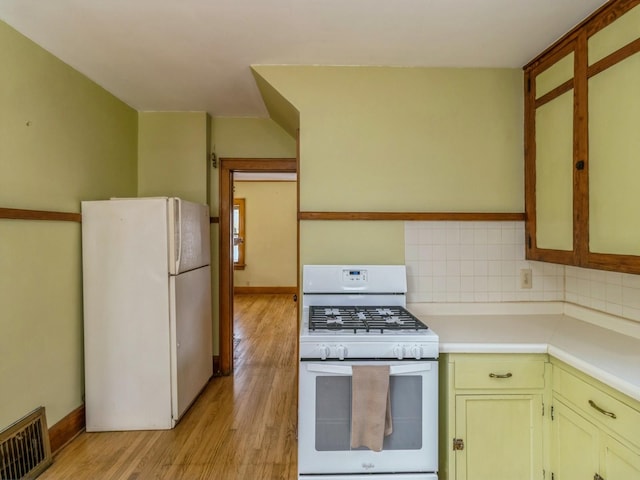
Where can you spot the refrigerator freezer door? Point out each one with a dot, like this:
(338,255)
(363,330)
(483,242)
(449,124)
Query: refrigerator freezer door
(191,351)
(188,236)
(126,315)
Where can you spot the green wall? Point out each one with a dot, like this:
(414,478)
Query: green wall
(63,139)
(407,139)
(401,139)
(172,155)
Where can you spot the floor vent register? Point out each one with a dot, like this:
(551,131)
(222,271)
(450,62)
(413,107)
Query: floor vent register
(24,447)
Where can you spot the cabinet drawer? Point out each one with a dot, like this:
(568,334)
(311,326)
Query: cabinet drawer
(495,372)
(598,405)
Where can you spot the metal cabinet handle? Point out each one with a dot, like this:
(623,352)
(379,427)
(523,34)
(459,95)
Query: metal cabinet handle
(601,410)
(500,375)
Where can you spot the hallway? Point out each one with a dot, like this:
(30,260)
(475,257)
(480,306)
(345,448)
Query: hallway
(241,427)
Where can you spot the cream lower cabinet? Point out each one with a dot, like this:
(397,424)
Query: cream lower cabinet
(494,426)
(502,437)
(596,431)
(575,453)
(617,461)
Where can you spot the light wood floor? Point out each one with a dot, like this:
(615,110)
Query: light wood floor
(241,427)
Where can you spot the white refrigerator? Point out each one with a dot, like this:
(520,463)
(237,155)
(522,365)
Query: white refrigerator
(147,311)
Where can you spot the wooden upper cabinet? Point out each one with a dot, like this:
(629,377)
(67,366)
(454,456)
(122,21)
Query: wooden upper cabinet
(582,149)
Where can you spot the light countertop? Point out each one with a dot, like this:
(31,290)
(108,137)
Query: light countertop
(606,348)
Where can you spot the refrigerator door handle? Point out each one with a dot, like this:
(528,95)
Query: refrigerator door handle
(178,245)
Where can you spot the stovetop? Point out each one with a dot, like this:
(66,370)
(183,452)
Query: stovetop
(363,319)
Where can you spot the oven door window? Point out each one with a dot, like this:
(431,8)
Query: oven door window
(333,413)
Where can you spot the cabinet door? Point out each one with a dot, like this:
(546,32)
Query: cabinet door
(614,121)
(502,437)
(575,445)
(549,158)
(618,462)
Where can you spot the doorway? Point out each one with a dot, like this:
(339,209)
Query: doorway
(229,166)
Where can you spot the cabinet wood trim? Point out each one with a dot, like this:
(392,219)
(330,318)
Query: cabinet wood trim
(409,216)
(613,262)
(21,214)
(563,257)
(555,93)
(580,151)
(529,163)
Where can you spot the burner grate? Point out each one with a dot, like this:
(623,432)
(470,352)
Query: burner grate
(363,319)
(337,318)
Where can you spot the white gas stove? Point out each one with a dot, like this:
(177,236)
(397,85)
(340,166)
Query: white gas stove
(354,317)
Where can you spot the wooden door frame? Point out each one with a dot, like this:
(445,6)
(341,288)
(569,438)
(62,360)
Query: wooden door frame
(227,167)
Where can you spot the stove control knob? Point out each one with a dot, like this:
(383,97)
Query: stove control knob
(398,351)
(341,352)
(416,351)
(324,352)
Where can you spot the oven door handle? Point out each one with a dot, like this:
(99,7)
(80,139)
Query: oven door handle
(346,369)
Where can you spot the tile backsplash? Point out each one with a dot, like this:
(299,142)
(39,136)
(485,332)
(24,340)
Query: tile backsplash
(474,262)
(482,262)
(611,292)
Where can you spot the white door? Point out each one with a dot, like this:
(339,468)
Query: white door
(191,354)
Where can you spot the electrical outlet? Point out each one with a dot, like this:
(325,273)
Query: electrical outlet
(526,278)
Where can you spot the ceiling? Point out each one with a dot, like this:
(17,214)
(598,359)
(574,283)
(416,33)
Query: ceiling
(195,55)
